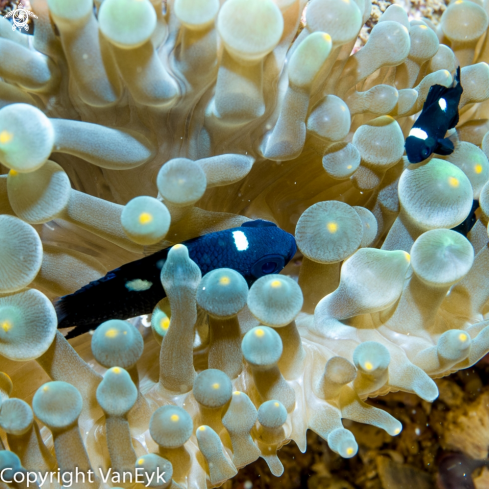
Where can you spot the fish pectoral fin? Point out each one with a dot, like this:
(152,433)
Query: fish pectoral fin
(444,147)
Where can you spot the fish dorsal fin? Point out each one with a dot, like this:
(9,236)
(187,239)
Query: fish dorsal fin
(258,223)
(444,147)
(434,95)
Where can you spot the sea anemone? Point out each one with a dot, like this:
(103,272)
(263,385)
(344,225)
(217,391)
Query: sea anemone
(131,126)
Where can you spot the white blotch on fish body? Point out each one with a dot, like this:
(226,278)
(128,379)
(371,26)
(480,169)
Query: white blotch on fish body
(138,285)
(418,133)
(443,104)
(240,240)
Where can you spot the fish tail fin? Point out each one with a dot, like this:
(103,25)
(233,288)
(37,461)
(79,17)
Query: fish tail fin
(62,309)
(79,330)
(457,76)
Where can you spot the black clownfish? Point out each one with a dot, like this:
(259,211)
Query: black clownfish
(439,114)
(255,249)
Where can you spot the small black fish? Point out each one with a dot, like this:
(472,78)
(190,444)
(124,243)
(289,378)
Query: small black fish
(439,114)
(255,249)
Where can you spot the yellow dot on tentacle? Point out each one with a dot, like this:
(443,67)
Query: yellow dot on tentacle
(216,386)
(368,366)
(327,37)
(174,417)
(349,167)
(140,461)
(165,323)
(224,280)
(276,283)
(6,326)
(478,168)
(332,227)
(145,218)
(201,428)
(276,404)
(13,173)
(349,450)
(397,431)
(111,333)
(462,337)
(116,370)
(453,182)
(181,181)
(45,388)
(6,137)
(259,332)
(177,246)
(236,393)
(408,256)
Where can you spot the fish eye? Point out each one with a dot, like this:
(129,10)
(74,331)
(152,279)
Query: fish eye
(425,152)
(268,264)
(268,267)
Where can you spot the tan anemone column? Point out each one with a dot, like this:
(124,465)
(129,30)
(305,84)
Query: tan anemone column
(326,234)
(249,31)
(276,300)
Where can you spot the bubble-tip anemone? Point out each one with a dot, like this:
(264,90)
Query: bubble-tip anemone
(172,121)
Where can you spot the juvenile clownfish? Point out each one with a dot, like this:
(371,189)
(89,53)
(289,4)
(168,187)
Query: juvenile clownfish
(255,249)
(439,114)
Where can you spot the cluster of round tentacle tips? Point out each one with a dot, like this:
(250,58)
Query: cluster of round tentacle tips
(239,420)
(371,360)
(160,320)
(21,250)
(117,343)
(380,143)
(272,415)
(463,23)
(181,182)
(220,468)
(171,427)
(12,470)
(28,324)
(360,292)
(326,234)
(286,141)
(341,160)
(343,442)
(116,395)
(41,195)
(262,349)
(276,300)
(26,137)
(432,195)
(23,436)
(249,31)
(212,391)
(145,220)
(58,405)
(337,373)
(156,471)
(223,293)
(174,120)
(439,259)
